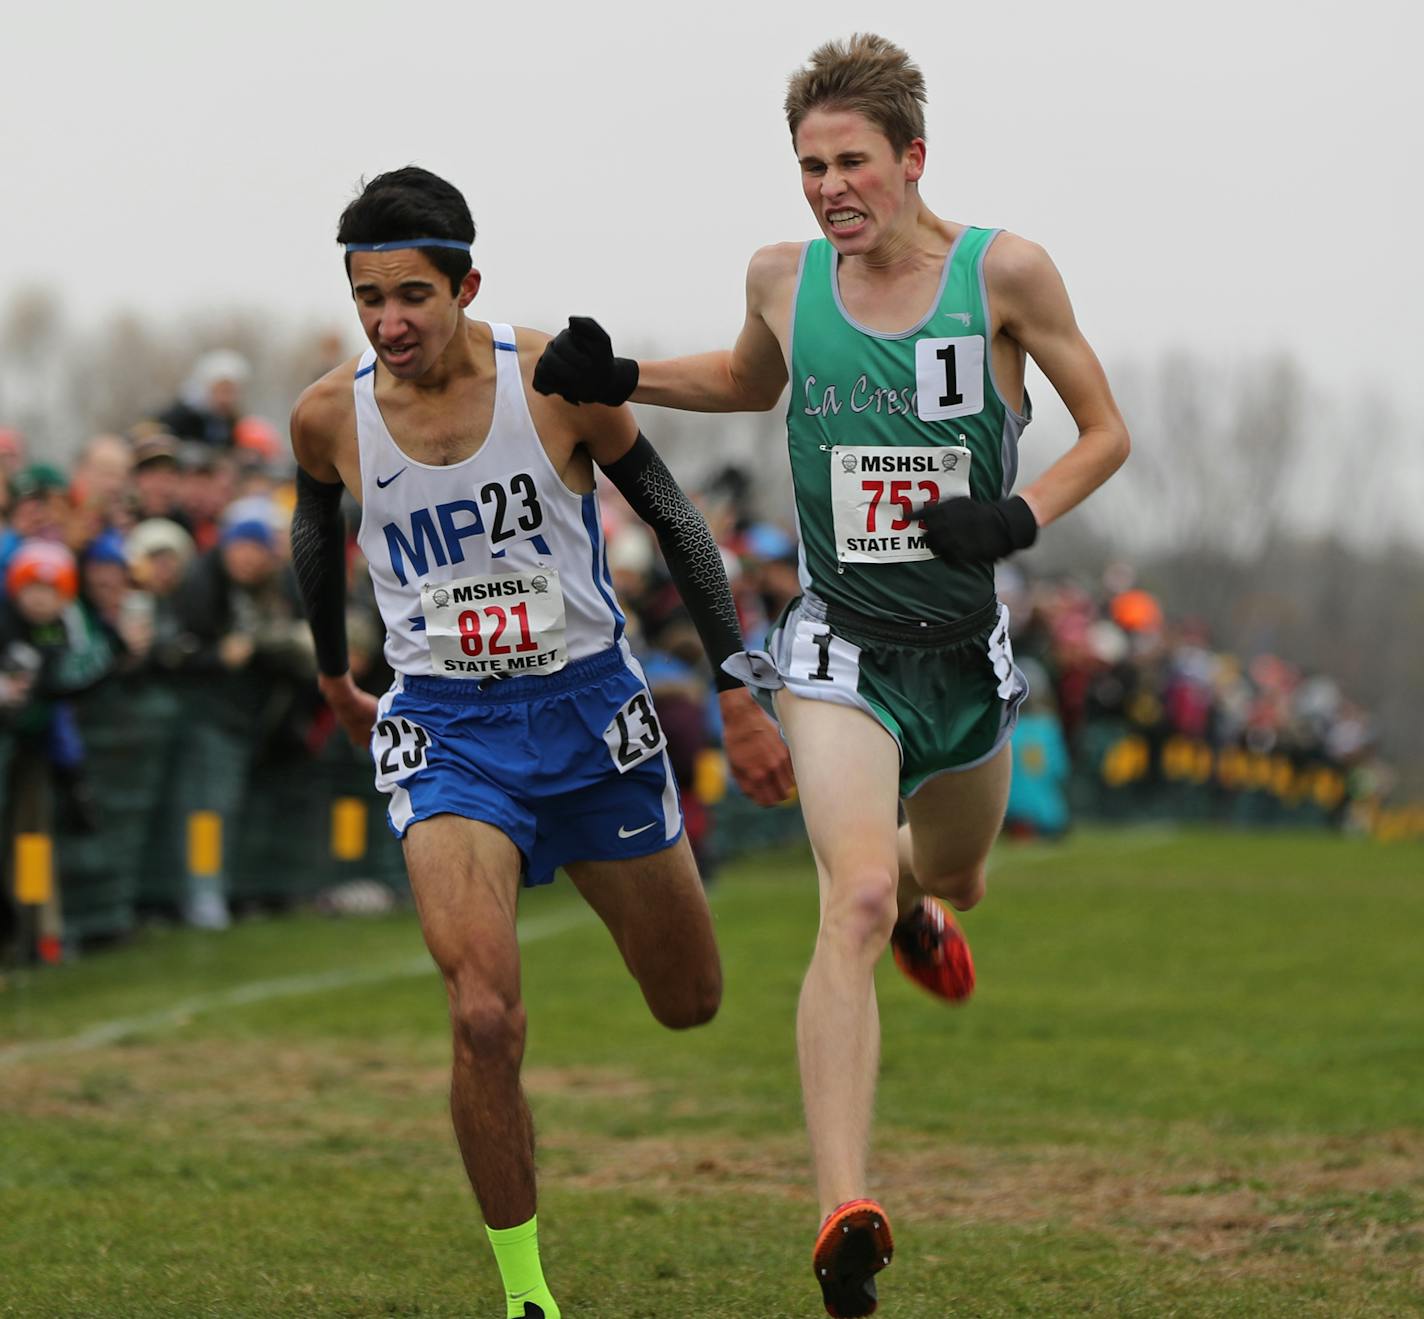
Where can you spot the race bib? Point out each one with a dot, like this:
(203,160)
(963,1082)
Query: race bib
(875,493)
(635,734)
(949,377)
(498,623)
(815,655)
(398,747)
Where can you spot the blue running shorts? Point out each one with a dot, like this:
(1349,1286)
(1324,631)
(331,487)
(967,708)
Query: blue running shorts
(571,767)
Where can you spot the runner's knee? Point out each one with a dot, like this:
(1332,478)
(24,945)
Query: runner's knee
(861,908)
(962,889)
(692,1002)
(488,1024)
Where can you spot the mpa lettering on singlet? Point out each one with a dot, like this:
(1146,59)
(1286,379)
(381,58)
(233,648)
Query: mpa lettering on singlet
(506,510)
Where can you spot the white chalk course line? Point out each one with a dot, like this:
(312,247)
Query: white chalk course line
(262,991)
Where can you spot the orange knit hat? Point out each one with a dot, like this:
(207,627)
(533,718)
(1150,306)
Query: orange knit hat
(43,561)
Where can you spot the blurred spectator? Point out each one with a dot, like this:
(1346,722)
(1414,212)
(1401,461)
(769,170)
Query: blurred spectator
(771,580)
(99,492)
(209,405)
(1038,791)
(258,444)
(107,591)
(239,603)
(680,693)
(157,480)
(12,450)
(158,553)
(207,484)
(247,653)
(50,650)
(39,507)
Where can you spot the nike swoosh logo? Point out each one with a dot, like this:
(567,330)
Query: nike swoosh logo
(628,833)
(381,485)
(519,1296)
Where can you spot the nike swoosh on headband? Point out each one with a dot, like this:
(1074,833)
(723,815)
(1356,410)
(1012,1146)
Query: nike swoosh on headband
(396,244)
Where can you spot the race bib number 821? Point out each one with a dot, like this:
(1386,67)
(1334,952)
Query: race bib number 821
(495,624)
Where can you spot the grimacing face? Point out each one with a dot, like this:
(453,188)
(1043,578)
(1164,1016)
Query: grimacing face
(406,308)
(851,179)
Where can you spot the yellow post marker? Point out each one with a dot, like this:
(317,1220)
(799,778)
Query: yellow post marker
(348,829)
(34,869)
(204,843)
(709,776)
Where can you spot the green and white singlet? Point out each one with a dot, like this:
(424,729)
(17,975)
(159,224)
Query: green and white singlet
(880,424)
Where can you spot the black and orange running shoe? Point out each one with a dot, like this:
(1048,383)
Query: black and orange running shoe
(931,949)
(854,1244)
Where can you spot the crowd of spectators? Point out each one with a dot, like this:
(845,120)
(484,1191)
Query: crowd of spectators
(160,555)
(1142,700)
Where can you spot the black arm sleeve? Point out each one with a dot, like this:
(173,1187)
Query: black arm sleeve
(319,557)
(692,555)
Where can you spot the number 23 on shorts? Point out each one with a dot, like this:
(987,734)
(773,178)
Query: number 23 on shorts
(635,734)
(399,748)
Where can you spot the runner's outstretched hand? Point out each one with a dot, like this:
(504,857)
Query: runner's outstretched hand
(578,365)
(756,755)
(966,530)
(354,709)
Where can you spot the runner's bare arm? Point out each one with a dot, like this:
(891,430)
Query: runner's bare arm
(318,427)
(1029,294)
(758,757)
(579,363)
(749,377)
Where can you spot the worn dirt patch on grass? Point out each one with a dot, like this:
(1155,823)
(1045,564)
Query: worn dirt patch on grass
(585,1083)
(1235,1208)
(1352,1201)
(124,1083)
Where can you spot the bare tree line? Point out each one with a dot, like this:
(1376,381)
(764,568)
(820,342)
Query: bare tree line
(1284,518)
(60,385)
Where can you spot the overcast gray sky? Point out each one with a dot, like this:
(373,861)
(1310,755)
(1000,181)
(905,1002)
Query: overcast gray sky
(1231,178)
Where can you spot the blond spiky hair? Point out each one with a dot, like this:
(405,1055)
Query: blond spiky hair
(867,74)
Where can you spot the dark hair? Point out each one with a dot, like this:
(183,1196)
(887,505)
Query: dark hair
(411,203)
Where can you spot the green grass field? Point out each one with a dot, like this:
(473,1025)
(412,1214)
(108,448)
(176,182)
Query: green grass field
(1191,1083)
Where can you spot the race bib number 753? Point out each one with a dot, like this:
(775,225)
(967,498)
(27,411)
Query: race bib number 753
(877,492)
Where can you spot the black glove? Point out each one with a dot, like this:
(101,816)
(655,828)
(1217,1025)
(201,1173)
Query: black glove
(579,365)
(967,531)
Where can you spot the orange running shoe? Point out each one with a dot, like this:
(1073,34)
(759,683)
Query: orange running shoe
(931,949)
(854,1244)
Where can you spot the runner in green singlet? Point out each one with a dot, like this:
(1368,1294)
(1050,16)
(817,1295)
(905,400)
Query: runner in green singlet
(903,337)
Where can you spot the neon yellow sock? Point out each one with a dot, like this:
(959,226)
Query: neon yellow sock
(516,1251)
